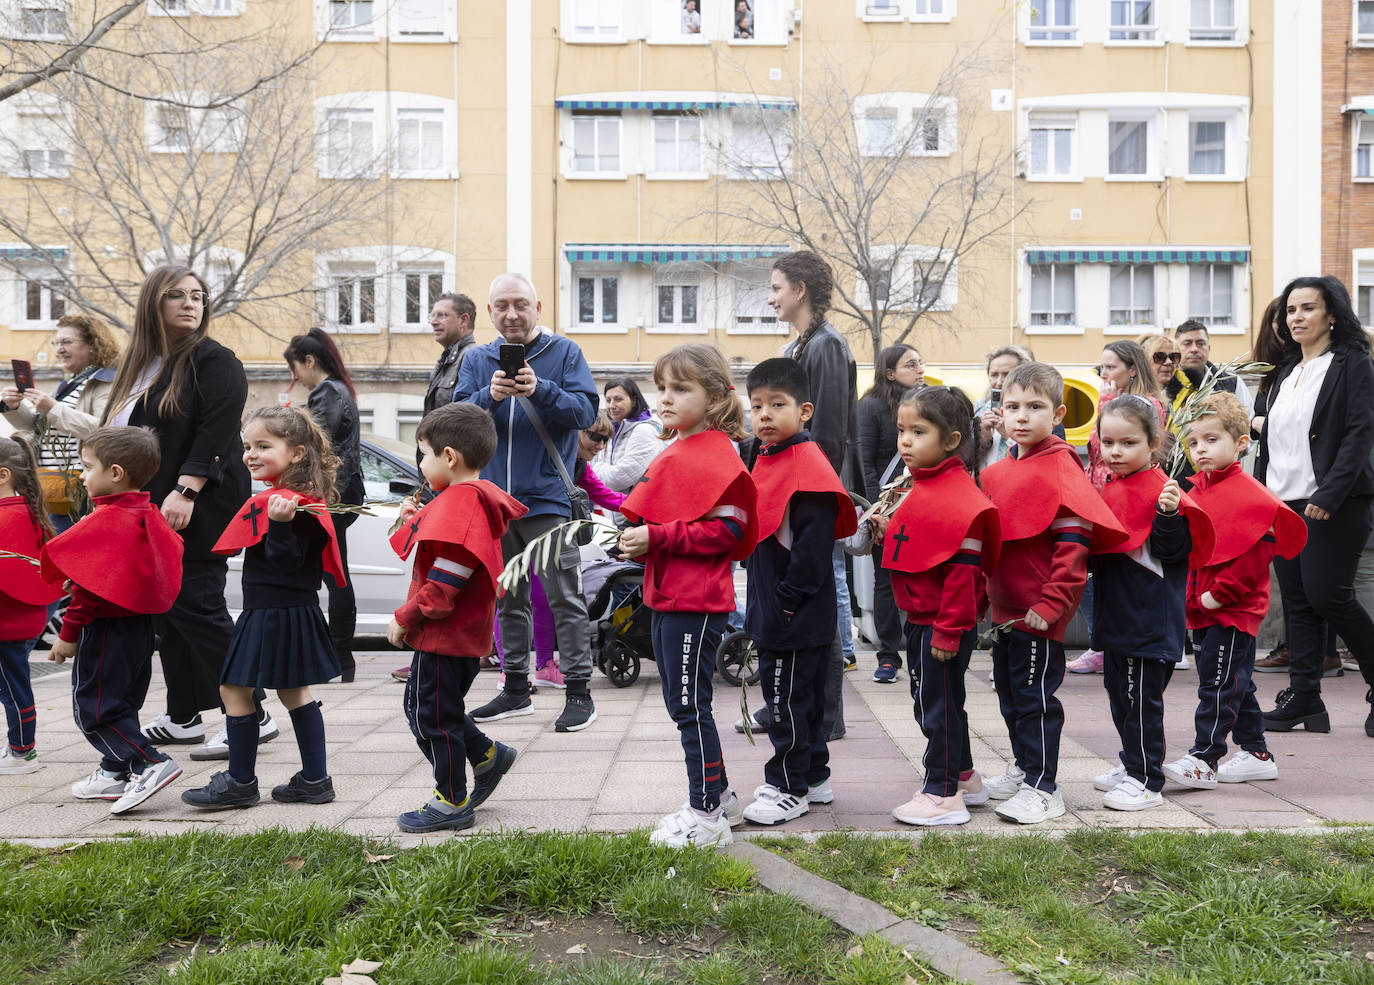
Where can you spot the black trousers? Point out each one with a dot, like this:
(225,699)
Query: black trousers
(1135,691)
(443,729)
(685,646)
(342,599)
(1226,705)
(937,696)
(110,675)
(195,634)
(1318,589)
(887,619)
(793,683)
(1027,671)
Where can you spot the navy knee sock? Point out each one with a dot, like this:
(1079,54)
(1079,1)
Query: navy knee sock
(309,726)
(243,746)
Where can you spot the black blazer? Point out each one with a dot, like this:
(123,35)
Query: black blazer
(336,412)
(203,439)
(877,441)
(1342,431)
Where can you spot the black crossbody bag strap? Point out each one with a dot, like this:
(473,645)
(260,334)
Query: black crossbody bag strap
(540,430)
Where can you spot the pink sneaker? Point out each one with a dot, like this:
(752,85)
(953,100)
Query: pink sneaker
(548,676)
(1089,663)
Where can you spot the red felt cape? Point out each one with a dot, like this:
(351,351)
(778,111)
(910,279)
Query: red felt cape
(935,517)
(250,526)
(471,515)
(125,552)
(1030,491)
(1245,511)
(689,479)
(19,533)
(1134,499)
(802,467)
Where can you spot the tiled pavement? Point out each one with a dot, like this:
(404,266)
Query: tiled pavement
(626,771)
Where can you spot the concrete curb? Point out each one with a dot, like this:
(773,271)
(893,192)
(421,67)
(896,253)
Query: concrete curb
(862,916)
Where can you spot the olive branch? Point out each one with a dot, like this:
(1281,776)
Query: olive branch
(18,557)
(1194,406)
(538,552)
(995,633)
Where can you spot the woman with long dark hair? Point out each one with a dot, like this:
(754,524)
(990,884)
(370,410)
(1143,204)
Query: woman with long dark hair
(1314,455)
(898,370)
(191,391)
(634,436)
(315,361)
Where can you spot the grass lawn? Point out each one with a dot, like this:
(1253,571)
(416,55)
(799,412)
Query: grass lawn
(280,907)
(1106,906)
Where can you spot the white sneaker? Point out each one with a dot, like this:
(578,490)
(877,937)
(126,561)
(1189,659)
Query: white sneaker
(1245,766)
(821,793)
(1183,663)
(1130,795)
(1031,806)
(100,786)
(143,785)
(774,806)
(1108,780)
(976,794)
(13,763)
(928,810)
(1007,785)
(731,809)
(686,827)
(1192,772)
(162,731)
(217,746)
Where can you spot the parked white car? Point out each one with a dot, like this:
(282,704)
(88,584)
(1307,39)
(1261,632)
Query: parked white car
(380,578)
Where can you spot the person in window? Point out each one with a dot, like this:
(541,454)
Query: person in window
(56,422)
(634,439)
(315,361)
(691,17)
(744,19)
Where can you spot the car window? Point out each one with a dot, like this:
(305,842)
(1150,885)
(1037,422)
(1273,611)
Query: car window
(377,475)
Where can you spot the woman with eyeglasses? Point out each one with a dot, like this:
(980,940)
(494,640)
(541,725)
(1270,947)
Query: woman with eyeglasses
(191,391)
(56,422)
(634,436)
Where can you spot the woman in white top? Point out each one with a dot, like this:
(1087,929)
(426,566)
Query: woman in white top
(1314,454)
(634,439)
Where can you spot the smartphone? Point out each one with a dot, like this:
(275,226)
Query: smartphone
(23,374)
(996,403)
(512,359)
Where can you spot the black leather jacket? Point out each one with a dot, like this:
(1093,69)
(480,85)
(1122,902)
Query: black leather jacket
(336,412)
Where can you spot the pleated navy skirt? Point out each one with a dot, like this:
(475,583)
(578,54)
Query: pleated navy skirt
(280,648)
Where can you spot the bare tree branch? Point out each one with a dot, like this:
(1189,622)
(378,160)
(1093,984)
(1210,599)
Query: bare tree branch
(68,59)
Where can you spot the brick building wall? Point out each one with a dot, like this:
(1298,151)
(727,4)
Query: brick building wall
(1347,203)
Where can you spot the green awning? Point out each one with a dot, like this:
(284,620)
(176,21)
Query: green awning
(1137,256)
(655,253)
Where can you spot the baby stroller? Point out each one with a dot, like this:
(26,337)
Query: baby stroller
(614,590)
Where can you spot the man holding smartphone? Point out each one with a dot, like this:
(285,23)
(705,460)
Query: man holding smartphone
(552,374)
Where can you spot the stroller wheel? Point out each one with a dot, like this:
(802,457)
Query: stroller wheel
(620,663)
(738,658)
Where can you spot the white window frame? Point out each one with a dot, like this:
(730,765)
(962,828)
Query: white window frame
(1198,34)
(21,11)
(750,278)
(354,276)
(1129,326)
(933,11)
(424,274)
(676,277)
(1145,33)
(355,30)
(38,139)
(159,115)
(930,258)
(1148,119)
(881,11)
(944,115)
(45,277)
(1358,39)
(221,8)
(1362,277)
(1052,124)
(421,119)
(681,121)
(1361,122)
(599,274)
(749,116)
(599,134)
(1051,28)
(169,8)
(597,29)
(870,146)
(1228,149)
(1057,271)
(1209,318)
(332,166)
(445,27)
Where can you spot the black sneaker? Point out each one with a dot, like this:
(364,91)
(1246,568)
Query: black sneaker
(299,790)
(1369,721)
(578,713)
(223,792)
(486,777)
(1294,708)
(504,705)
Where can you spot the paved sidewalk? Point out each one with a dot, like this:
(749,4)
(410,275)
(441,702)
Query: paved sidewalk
(626,771)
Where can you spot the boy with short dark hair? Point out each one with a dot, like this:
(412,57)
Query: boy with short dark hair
(450,609)
(123,561)
(1228,597)
(803,509)
(1051,519)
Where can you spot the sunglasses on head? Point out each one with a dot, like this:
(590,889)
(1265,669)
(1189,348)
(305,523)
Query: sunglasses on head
(1161,358)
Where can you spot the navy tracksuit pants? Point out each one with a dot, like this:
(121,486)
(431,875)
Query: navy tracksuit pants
(110,675)
(1135,692)
(685,645)
(443,729)
(16,694)
(1027,671)
(937,696)
(1225,660)
(793,683)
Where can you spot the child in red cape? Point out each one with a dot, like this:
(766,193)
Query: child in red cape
(123,562)
(695,510)
(1051,518)
(450,609)
(1228,597)
(802,510)
(281,640)
(24,598)
(1140,584)
(939,545)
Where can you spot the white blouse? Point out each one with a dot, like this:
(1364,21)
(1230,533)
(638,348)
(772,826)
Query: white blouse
(1290,475)
(120,415)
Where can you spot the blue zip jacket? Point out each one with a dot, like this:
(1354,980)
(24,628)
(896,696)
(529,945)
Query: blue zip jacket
(566,399)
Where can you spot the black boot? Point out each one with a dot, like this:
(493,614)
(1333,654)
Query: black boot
(1294,708)
(1369,719)
(342,622)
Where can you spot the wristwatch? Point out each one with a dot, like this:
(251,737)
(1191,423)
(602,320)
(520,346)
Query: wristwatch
(187,491)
